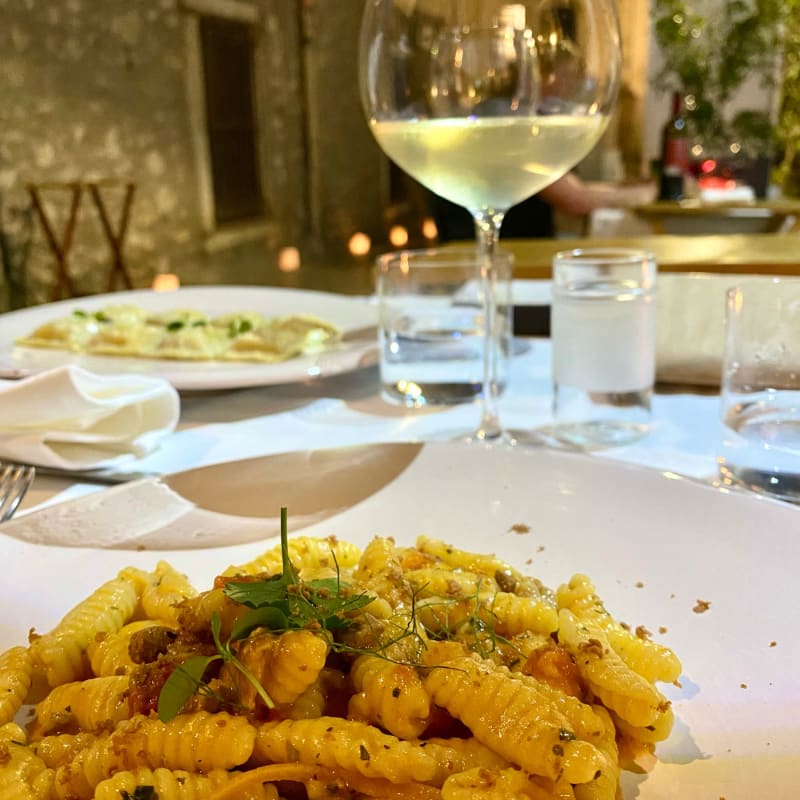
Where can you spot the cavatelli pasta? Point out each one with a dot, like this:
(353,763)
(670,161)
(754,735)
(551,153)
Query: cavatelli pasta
(509,716)
(286,665)
(175,785)
(479,783)
(23,775)
(507,577)
(606,784)
(166,590)
(621,689)
(59,749)
(305,553)
(355,747)
(16,674)
(449,599)
(90,705)
(652,661)
(514,615)
(198,742)
(379,569)
(659,730)
(390,695)
(109,653)
(437,674)
(61,653)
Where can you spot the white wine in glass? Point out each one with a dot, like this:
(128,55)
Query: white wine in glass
(487,102)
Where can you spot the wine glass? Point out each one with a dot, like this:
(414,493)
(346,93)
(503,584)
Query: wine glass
(485,103)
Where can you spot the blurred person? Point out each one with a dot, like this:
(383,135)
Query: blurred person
(535,217)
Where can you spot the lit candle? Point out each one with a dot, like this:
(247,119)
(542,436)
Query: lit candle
(166,282)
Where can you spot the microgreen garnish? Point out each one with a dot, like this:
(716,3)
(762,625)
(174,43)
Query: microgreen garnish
(239,326)
(100,316)
(184,681)
(140,793)
(175,325)
(279,603)
(79,313)
(285,602)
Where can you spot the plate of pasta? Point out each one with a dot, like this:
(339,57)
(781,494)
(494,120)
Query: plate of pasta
(198,338)
(487,625)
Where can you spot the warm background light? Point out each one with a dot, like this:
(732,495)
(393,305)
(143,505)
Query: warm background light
(360,244)
(289,259)
(429,229)
(398,236)
(166,282)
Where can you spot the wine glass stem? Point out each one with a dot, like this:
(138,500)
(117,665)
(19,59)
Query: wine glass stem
(487,231)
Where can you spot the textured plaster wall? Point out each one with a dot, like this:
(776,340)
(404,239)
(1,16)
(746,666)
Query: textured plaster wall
(349,172)
(96,89)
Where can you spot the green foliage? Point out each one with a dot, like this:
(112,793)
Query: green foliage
(787,175)
(707,58)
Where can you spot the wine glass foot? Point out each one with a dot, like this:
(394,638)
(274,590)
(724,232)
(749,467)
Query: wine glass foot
(500,439)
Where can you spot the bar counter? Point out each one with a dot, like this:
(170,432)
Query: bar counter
(766,254)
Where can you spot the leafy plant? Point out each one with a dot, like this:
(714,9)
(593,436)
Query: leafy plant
(708,59)
(787,174)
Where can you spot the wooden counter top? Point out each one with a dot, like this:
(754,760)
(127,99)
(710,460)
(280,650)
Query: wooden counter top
(730,217)
(769,254)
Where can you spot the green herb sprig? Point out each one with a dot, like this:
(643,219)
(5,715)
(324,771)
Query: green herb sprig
(140,793)
(279,603)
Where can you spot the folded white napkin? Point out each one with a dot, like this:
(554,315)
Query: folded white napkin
(73,419)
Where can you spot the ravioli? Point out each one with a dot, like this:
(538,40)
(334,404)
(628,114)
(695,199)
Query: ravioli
(282,338)
(68,333)
(185,334)
(117,339)
(177,317)
(191,343)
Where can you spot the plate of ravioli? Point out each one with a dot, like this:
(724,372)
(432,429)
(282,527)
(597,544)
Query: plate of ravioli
(197,338)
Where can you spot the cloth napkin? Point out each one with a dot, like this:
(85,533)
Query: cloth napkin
(74,419)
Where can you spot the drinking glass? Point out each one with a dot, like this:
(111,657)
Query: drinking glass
(431,326)
(761,388)
(487,102)
(603,329)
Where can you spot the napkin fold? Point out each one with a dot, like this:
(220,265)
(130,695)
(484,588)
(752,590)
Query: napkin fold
(70,418)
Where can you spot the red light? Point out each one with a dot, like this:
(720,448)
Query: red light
(709,165)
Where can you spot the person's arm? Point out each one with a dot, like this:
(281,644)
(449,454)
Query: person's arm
(571,195)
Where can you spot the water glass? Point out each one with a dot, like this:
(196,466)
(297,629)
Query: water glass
(603,335)
(761,388)
(432,326)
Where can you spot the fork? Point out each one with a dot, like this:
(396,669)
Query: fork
(15,480)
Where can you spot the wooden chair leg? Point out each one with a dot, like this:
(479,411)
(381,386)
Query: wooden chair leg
(115,238)
(59,247)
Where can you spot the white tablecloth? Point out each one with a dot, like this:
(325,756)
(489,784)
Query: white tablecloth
(348,409)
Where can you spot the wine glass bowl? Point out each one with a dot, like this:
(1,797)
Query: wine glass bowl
(487,102)
(483,72)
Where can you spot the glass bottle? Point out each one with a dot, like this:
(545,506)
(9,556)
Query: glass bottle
(674,153)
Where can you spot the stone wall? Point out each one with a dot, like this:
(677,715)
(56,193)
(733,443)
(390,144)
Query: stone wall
(97,89)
